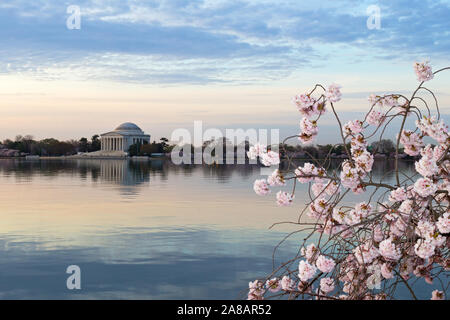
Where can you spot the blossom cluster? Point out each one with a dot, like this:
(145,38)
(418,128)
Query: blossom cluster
(433,128)
(262,186)
(359,165)
(412,142)
(387,101)
(267,157)
(401,233)
(423,71)
(308,106)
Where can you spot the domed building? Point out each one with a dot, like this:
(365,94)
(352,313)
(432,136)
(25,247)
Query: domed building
(122,138)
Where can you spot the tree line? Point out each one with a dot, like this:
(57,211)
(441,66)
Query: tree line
(28,145)
(53,147)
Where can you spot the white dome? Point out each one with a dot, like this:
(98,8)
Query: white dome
(128,126)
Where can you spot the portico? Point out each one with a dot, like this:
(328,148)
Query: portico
(123,137)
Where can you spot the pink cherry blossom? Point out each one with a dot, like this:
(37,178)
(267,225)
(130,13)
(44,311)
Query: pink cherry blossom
(387,101)
(326,285)
(284,199)
(398,194)
(310,252)
(329,188)
(332,188)
(427,152)
(270,158)
(305,270)
(358,143)
(406,207)
(443,223)
(306,105)
(378,234)
(425,229)
(305,138)
(318,188)
(427,167)
(276,179)
(423,71)
(353,127)
(308,126)
(366,252)
(339,215)
(261,187)
(350,176)
(363,209)
(439,152)
(388,250)
(319,209)
(256,151)
(375,117)
(304,173)
(424,249)
(425,187)
(287,284)
(274,285)
(435,129)
(437,295)
(256,290)
(333,93)
(386,271)
(375,100)
(308,132)
(390,101)
(325,264)
(364,160)
(412,142)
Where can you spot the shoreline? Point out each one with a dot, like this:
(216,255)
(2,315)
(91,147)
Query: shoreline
(144,158)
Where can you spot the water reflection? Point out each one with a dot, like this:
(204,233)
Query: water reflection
(129,172)
(138,229)
(124,172)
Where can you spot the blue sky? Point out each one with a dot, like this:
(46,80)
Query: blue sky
(217,45)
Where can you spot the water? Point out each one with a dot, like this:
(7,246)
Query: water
(138,230)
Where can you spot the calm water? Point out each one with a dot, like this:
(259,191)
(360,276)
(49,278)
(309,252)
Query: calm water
(138,230)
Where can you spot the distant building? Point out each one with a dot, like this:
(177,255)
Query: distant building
(123,137)
(115,144)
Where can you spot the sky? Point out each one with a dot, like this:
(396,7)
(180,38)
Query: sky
(230,64)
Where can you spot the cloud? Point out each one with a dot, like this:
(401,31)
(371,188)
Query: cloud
(236,41)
